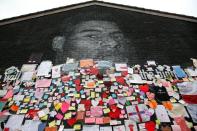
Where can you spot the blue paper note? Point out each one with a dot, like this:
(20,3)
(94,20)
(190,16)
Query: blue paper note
(179,71)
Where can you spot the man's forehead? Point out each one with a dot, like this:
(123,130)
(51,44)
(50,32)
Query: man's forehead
(97,26)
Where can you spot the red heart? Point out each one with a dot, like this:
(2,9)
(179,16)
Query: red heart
(150,126)
(116,114)
(77,81)
(78,87)
(71,121)
(144,88)
(101,103)
(104,95)
(124,73)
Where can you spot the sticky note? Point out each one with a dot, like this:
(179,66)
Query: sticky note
(99,120)
(77,95)
(64,107)
(80,115)
(67,115)
(26,100)
(107,110)
(52,124)
(71,108)
(93,94)
(44,118)
(58,106)
(89,120)
(59,116)
(24,111)
(77,127)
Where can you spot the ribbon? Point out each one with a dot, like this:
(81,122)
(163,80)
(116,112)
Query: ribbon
(137,113)
(130,127)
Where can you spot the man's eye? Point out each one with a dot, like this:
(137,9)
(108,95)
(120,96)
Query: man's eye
(117,36)
(91,36)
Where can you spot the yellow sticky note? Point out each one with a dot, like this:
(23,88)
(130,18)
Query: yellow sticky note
(24,111)
(185,79)
(173,100)
(52,124)
(97,95)
(77,95)
(157,122)
(77,127)
(93,94)
(107,110)
(9,99)
(58,106)
(125,94)
(113,79)
(67,115)
(100,82)
(44,118)
(71,108)
(26,100)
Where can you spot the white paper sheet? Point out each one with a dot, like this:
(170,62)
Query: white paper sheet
(44,68)
(121,67)
(162,114)
(91,128)
(14,122)
(27,76)
(30,125)
(106,128)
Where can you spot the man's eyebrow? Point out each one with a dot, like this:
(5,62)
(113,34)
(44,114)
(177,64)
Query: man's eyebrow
(89,30)
(116,32)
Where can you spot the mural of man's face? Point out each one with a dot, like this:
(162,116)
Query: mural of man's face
(101,40)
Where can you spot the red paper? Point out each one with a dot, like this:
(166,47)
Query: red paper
(120,80)
(124,73)
(190,99)
(87,104)
(77,82)
(78,87)
(32,113)
(104,95)
(71,121)
(144,88)
(94,71)
(150,126)
(115,114)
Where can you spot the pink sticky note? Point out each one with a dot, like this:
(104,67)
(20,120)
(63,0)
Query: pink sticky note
(111,101)
(39,93)
(43,83)
(88,113)
(8,95)
(65,107)
(90,120)
(96,111)
(99,120)
(59,116)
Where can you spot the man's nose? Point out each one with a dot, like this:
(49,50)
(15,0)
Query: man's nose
(108,42)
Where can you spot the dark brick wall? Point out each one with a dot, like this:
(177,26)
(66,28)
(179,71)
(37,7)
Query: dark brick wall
(168,41)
